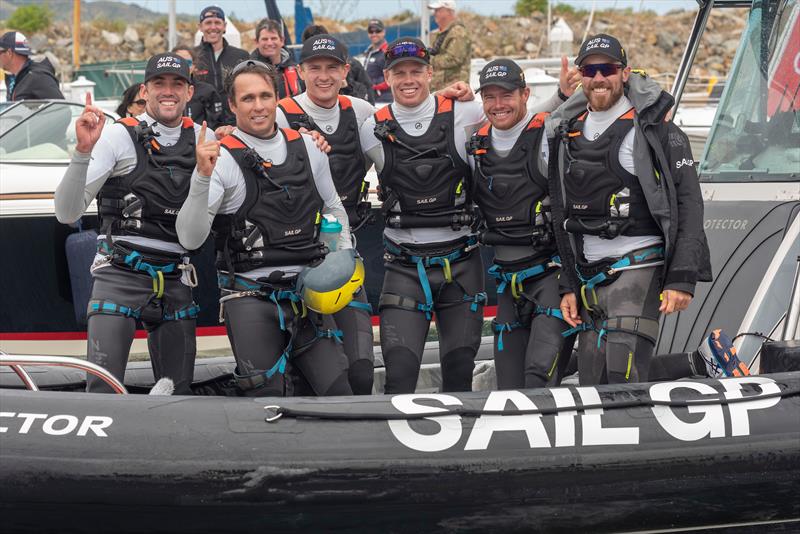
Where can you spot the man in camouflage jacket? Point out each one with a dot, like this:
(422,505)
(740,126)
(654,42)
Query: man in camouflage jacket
(451,48)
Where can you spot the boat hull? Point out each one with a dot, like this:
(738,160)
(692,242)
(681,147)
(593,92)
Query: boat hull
(193,464)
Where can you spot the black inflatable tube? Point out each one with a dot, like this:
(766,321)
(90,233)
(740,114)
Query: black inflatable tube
(195,464)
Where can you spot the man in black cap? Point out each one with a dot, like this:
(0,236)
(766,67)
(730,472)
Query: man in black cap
(510,190)
(215,57)
(358,83)
(374,60)
(324,68)
(630,217)
(26,79)
(139,170)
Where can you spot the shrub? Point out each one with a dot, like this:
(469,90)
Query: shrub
(30,19)
(524,8)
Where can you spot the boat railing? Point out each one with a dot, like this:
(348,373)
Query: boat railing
(19,362)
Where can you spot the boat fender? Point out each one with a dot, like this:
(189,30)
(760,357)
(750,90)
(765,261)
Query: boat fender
(780,356)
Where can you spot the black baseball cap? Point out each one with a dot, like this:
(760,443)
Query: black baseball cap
(503,72)
(212,12)
(15,41)
(602,44)
(406,49)
(376,24)
(324,45)
(167,63)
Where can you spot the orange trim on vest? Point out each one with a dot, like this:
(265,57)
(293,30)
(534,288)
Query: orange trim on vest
(291,135)
(443,105)
(537,121)
(383,114)
(187,122)
(629,114)
(484,130)
(129,121)
(290,106)
(344,102)
(231,142)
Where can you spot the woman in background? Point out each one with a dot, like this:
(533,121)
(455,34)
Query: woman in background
(132,103)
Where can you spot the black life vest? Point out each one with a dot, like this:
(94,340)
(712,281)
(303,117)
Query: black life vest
(278,222)
(348,165)
(510,191)
(428,180)
(602,198)
(145,202)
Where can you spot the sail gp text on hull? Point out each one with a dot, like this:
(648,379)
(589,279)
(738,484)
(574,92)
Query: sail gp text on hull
(593,431)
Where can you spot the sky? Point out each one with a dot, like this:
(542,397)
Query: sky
(360,9)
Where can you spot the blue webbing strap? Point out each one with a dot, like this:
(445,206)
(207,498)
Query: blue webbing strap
(366,306)
(111,308)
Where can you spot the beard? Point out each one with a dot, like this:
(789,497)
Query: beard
(603,102)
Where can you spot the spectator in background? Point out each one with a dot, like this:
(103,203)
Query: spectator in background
(206,103)
(374,60)
(452,48)
(132,102)
(358,83)
(270,49)
(27,79)
(215,57)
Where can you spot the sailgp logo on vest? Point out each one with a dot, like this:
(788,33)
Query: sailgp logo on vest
(504,218)
(683,163)
(572,426)
(429,200)
(295,231)
(170,211)
(580,206)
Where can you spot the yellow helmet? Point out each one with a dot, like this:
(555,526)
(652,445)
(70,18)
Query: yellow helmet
(331,285)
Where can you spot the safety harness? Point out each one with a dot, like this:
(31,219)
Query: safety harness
(605,273)
(395,252)
(159,266)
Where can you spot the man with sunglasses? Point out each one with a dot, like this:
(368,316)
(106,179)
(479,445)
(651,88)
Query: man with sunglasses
(263,196)
(374,60)
(630,218)
(139,169)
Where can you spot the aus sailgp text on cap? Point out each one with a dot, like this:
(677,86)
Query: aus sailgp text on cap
(497,71)
(323,44)
(598,43)
(169,62)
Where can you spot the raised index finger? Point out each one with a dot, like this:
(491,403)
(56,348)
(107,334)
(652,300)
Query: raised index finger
(564,64)
(88,100)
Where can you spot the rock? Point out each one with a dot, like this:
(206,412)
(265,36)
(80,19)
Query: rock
(63,42)
(667,41)
(137,47)
(111,38)
(509,50)
(730,46)
(530,48)
(154,40)
(131,35)
(524,22)
(38,41)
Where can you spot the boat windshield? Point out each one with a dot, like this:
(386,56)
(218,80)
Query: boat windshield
(39,131)
(756,132)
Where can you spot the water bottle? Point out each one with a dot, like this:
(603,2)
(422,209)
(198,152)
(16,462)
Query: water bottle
(329,232)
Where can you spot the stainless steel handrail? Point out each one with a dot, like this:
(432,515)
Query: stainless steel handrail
(17,361)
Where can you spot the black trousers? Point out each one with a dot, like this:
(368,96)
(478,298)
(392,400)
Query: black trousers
(404,330)
(171,343)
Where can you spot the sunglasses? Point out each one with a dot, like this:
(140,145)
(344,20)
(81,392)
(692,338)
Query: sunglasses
(606,69)
(406,50)
(371,32)
(140,102)
(252,63)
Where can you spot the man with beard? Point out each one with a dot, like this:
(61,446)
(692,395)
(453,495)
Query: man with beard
(139,169)
(630,217)
(215,57)
(264,194)
(510,189)
(323,67)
